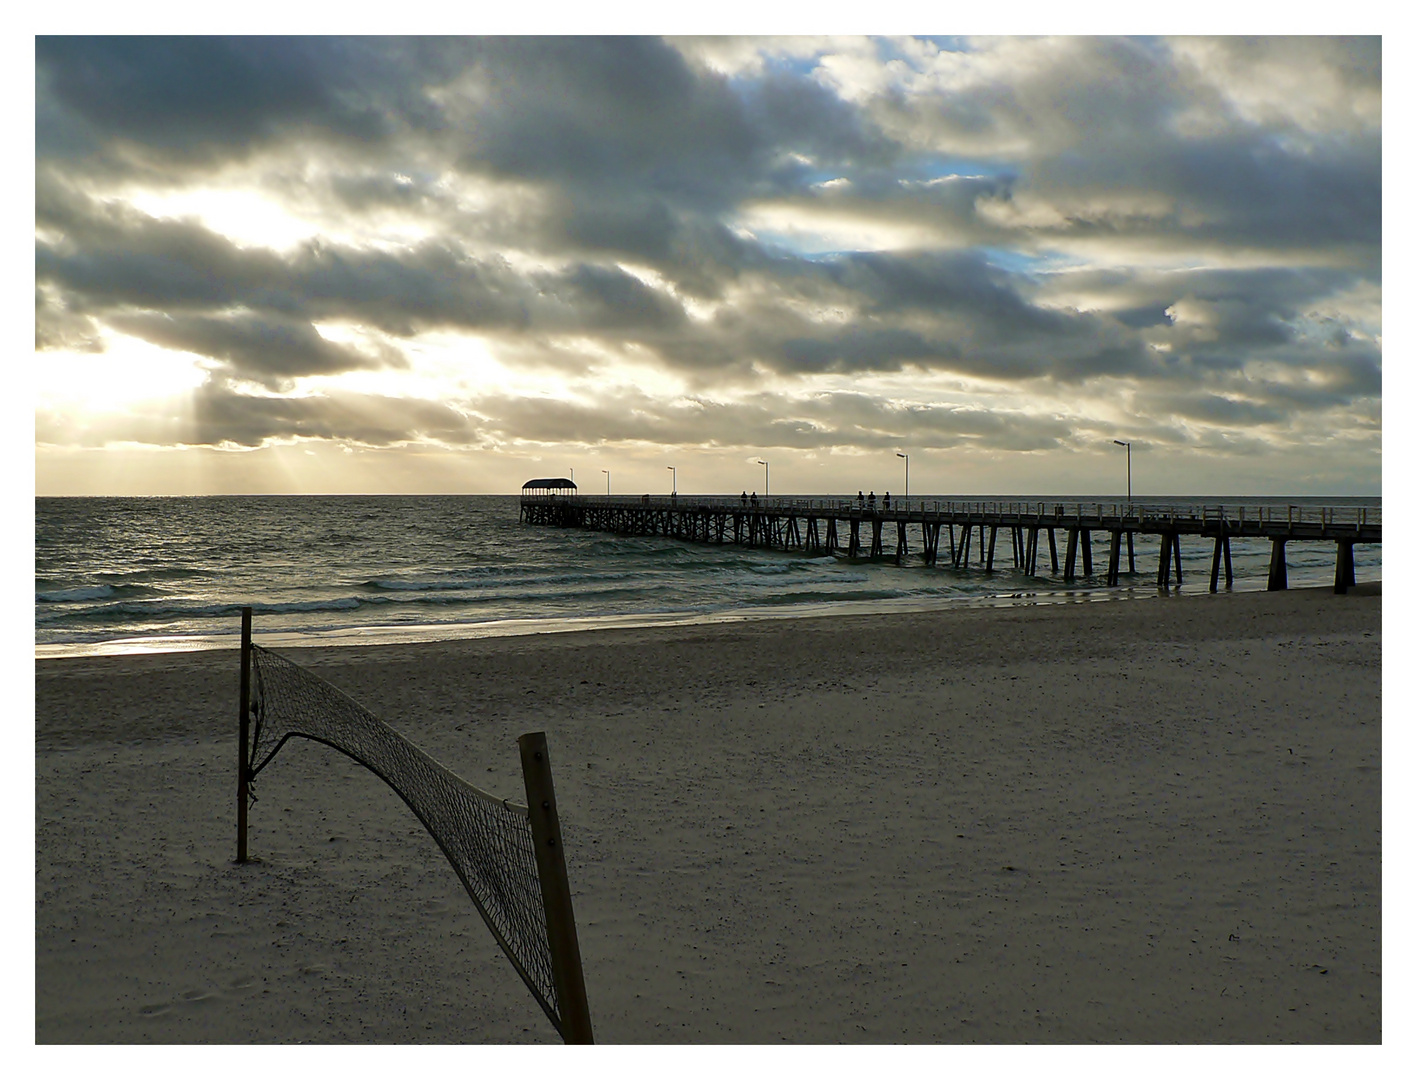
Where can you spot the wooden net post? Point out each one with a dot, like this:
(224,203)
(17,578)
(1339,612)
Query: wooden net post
(243,768)
(555,889)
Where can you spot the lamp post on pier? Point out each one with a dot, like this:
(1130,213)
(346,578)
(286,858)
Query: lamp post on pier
(607,480)
(907,471)
(764,464)
(674,480)
(1128,445)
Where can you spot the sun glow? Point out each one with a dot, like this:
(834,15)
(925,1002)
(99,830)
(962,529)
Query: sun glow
(128,371)
(246,217)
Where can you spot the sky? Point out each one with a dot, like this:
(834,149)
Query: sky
(408,265)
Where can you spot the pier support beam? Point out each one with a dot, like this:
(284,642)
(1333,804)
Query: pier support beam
(832,544)
(853,548)
(1222,551)
(1278,570)
(1343,572)
(1086,538)
(1070,563)
(1132,555)
(901,548)
(1170,547)
(1053,549)
(875,537)
(1114,557)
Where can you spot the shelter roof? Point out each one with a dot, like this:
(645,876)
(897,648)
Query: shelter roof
(559,483)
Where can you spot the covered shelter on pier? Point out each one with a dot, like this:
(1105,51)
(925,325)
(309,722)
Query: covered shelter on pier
(553,486)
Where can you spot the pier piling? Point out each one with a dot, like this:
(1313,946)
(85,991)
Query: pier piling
(1114,557)
(1343,573)
(1278,569)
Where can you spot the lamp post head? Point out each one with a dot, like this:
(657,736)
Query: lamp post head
(1119,442)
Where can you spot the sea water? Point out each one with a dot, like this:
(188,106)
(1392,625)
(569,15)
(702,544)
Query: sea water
(155,574)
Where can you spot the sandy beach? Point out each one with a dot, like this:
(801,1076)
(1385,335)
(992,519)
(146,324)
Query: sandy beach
(1146,821)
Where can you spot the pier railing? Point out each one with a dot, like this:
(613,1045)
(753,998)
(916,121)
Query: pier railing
(1234,516)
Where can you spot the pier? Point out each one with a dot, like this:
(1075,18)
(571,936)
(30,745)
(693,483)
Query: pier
(965,532)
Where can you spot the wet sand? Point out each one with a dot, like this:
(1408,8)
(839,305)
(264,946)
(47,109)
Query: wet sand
(1147,821)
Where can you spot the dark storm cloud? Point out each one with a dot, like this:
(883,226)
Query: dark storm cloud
(861,349)
(219,414)
(603,298)
(1225,191)
(604,115)
(951,282)
(209,96)
(775,420)
(601,112)
(223,416)
(264,349)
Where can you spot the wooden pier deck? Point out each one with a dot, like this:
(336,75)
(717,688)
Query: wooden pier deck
(857,529)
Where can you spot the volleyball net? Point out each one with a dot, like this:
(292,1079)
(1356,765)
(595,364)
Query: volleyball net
(508,856)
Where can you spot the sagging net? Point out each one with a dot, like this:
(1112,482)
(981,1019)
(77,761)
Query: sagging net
(487,840)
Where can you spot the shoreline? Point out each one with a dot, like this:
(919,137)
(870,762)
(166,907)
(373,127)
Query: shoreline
(433,633)
(1105,823)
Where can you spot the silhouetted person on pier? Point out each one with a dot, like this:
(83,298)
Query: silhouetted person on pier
(871,502)
(744,499)
(861,499)
(887,503)
(755,498)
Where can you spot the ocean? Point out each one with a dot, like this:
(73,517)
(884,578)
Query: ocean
(123,575)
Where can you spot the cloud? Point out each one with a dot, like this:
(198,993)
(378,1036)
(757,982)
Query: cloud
(272,351)
(843,420)
(1049,231)
(225,417)
(202,97)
